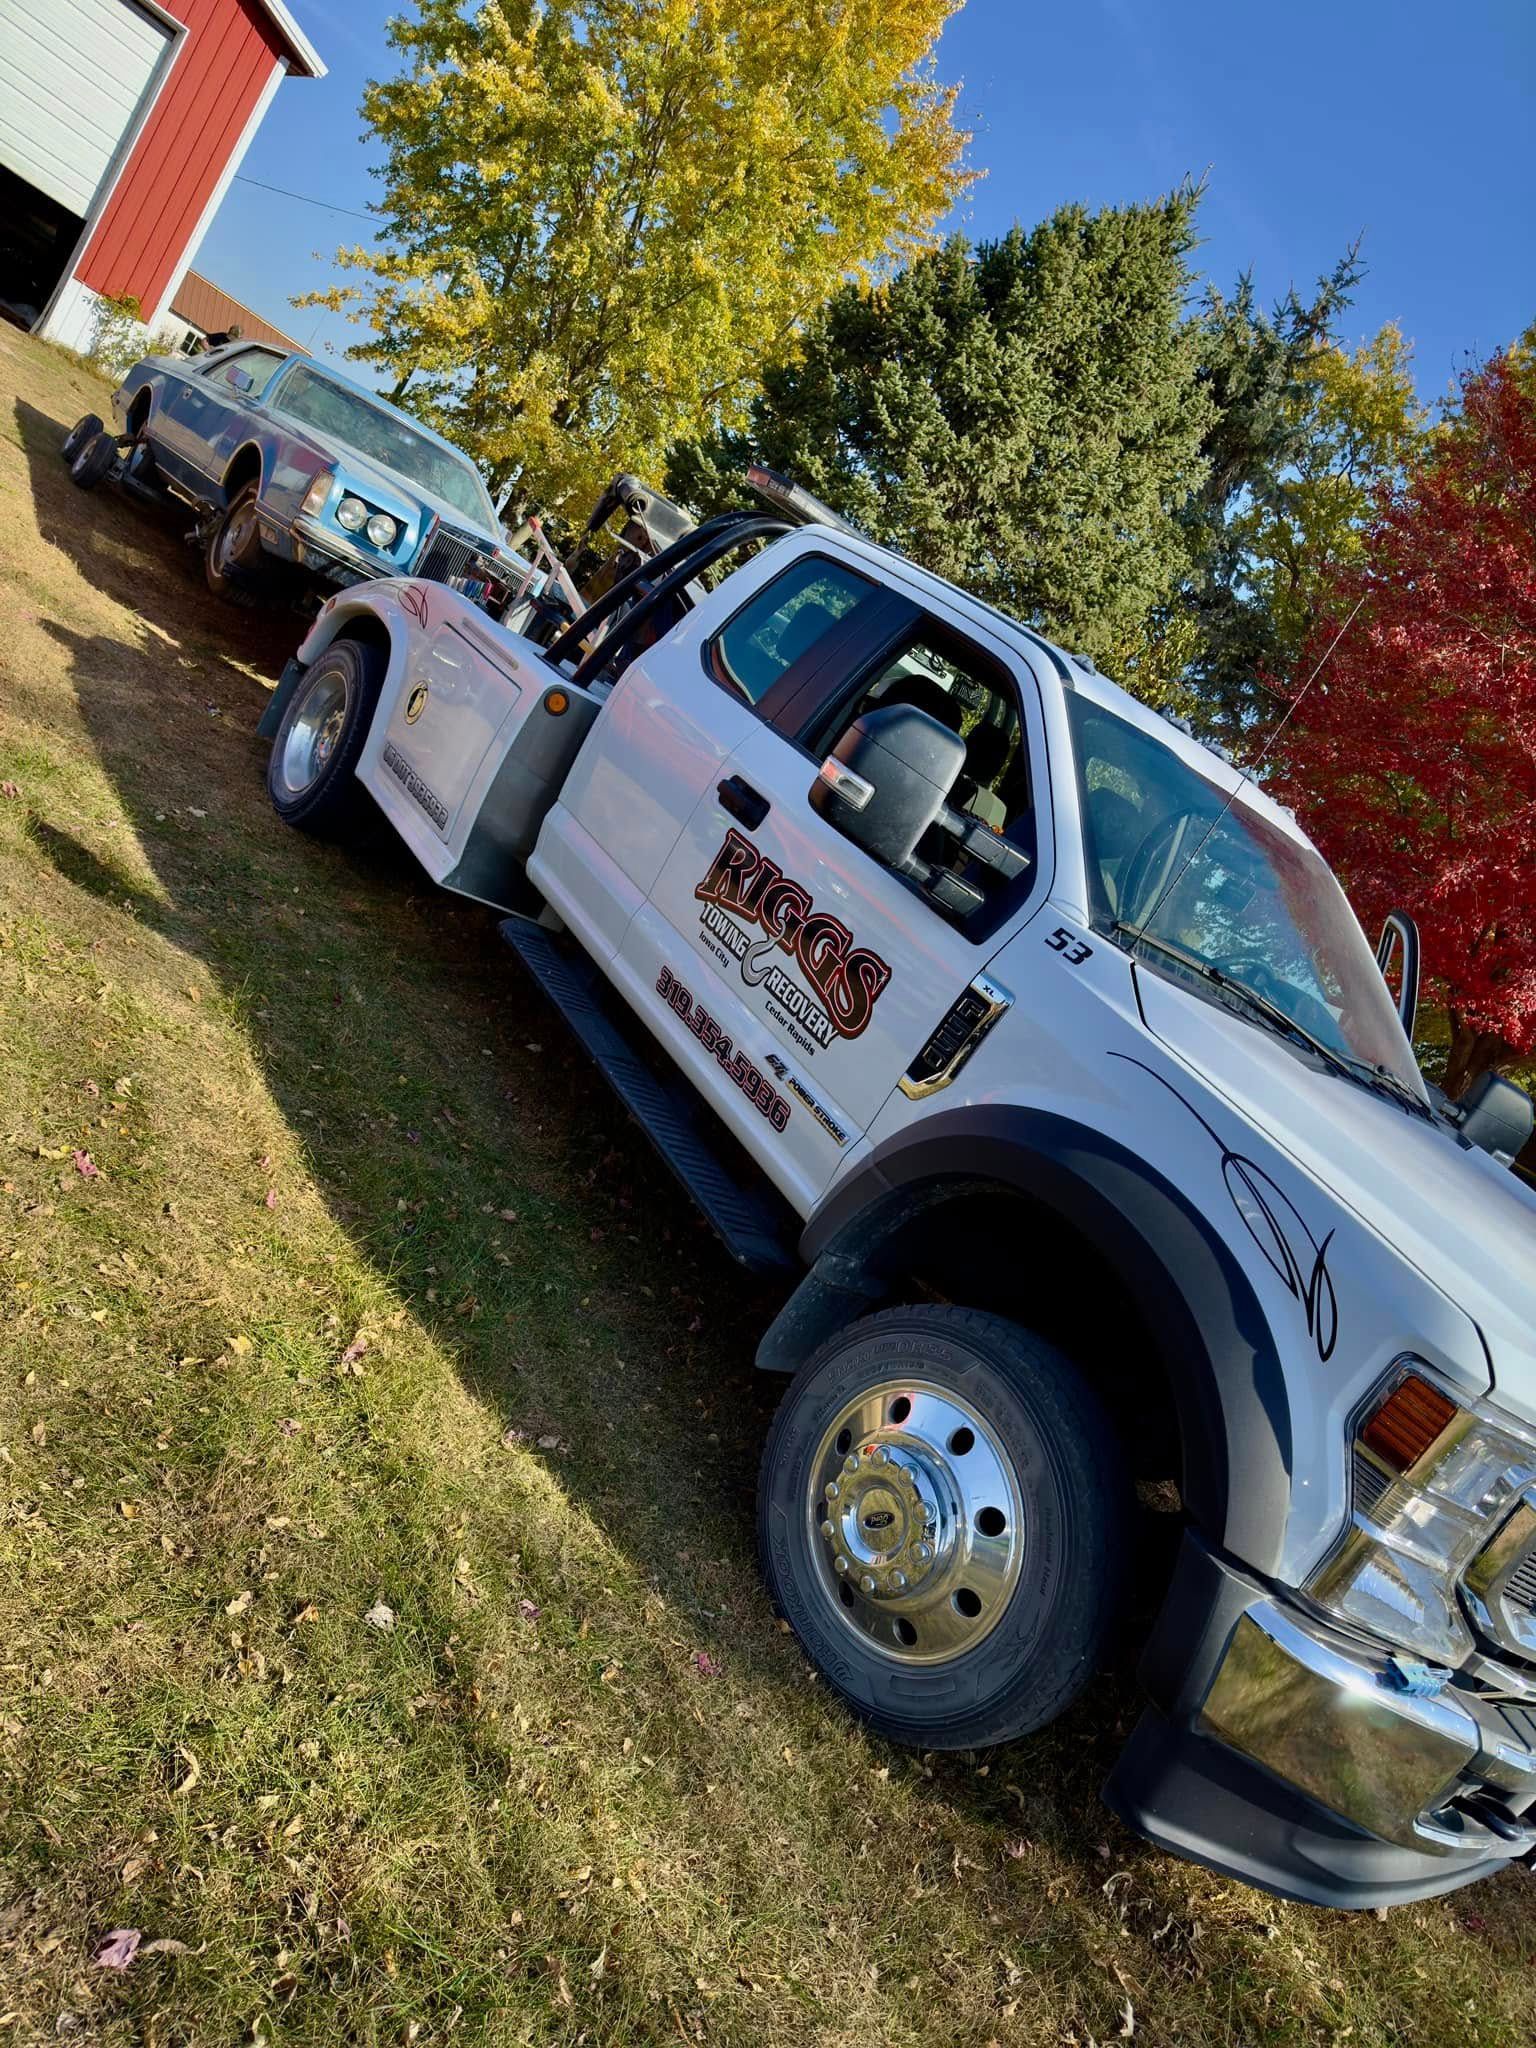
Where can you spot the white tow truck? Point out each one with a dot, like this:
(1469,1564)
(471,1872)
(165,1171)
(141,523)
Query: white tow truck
(1045,1050)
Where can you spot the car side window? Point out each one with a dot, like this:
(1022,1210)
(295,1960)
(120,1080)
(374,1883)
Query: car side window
(786,620)
(973,695)
(257,364)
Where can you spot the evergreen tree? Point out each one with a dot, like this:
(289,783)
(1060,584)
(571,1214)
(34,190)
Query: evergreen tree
(1025,417)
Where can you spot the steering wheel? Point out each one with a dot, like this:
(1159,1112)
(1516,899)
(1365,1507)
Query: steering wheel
(1152,866)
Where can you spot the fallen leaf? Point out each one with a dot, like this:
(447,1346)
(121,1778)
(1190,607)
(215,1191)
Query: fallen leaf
(289,1426)
(194,1775)
(380,1617)
(165,1946)
(705,1665)
(118,1950)
(86,1166)
(9,789)
(134,1869)
(127,1510)
(271,1198)
(193,811)
(239,1345)
(1128,2024)
(308,1612)
(91,1087)
(529,1609)
(241,1602)
(355,1349)
(509,1437)
(550,1443)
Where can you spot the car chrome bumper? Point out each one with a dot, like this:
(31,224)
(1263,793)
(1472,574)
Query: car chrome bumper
(315,547)
(1286,1754)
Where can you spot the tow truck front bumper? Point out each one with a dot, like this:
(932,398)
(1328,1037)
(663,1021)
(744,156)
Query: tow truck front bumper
(1288,1755)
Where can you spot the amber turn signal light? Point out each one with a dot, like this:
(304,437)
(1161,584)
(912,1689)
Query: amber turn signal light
(1407,1423)
(555,702)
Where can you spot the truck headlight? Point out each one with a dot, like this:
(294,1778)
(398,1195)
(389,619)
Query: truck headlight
(352,513)
(382,530)
(1432,1481)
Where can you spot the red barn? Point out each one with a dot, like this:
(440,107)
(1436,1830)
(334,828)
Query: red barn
(122,123)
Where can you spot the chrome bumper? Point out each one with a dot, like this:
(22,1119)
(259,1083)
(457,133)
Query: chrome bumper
(1328,1717)
(1281,1752)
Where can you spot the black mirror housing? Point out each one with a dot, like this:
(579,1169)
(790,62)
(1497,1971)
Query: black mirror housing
(1497,1117)
(888,780)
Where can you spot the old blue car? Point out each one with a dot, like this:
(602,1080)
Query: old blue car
(297,475)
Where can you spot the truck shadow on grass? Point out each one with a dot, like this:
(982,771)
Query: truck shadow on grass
(435,1096)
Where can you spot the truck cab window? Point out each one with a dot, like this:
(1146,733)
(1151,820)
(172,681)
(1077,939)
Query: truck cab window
(784,622)
(972,695)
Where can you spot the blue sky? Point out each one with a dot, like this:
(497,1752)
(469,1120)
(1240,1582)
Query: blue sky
(1412,122)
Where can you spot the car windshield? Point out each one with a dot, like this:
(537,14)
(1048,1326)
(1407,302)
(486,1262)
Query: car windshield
(385,437)
(1172,864)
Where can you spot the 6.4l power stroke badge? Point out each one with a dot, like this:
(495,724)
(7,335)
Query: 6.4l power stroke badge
(744,889)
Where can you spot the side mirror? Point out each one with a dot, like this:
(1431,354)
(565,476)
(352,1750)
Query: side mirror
(888,780)
(1497,1117)
(1400,931)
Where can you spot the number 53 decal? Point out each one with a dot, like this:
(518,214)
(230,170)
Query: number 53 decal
(1073,950)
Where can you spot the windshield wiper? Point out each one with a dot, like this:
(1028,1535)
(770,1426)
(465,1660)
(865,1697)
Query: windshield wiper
(1366,1072)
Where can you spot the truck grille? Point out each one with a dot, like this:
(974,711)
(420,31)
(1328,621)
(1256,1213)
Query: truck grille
(453,557)
(1520,1587)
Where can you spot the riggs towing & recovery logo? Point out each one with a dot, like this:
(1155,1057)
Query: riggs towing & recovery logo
(846,979)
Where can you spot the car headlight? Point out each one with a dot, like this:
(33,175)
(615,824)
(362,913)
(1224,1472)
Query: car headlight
(352,513)
(382,530)
(1432,1480)
(319,490)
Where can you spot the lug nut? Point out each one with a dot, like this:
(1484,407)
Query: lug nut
(923,1553)
(898,1581)
(840,1564)
(850,1463)
(832,1489)
(866,1584)
(826,1530)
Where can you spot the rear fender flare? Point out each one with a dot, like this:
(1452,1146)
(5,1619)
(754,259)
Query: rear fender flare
(1213,1339)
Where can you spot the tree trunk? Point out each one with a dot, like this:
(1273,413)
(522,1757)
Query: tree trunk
(1472,1053)
(401,385)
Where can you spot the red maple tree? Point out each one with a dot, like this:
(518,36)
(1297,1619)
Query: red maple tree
(1412,761)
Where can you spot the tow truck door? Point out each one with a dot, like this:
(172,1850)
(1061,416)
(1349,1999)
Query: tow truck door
(796,977)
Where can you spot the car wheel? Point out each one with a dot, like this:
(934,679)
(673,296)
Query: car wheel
(941,1511)
(86,428)
(234,561)
(93,460)
(311,776)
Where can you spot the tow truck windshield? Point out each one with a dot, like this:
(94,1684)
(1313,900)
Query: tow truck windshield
(1191,882)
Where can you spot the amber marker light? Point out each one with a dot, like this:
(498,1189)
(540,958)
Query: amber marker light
(555,702)
(1407,1423)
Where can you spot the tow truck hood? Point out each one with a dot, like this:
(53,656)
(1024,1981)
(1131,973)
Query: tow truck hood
(1467,1223)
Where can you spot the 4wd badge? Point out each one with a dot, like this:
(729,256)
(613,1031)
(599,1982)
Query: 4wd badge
(415,704)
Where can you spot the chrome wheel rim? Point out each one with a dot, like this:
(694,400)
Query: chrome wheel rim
(315,730)
(916,1522)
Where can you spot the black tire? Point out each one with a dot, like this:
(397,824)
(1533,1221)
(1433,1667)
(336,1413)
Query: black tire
(86,428)
(337,697)
(93,460)
(1036,1432)
(235,564)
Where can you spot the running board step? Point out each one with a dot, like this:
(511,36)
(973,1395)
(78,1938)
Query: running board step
(752,1222)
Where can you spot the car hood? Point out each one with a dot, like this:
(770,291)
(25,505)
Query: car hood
(1467,1223)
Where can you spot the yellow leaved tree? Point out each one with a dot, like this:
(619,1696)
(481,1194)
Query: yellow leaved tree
(601,216)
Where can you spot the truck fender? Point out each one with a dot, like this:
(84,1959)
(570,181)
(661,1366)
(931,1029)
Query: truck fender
(337,616)
(1212,1339)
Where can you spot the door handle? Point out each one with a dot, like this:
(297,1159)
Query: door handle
(743,801)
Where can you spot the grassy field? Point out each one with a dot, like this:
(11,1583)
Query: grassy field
(380,1633)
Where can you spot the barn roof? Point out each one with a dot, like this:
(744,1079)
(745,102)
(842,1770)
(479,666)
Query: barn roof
(303,57)
(201,303)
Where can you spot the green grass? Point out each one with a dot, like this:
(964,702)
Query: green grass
(584,1788)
